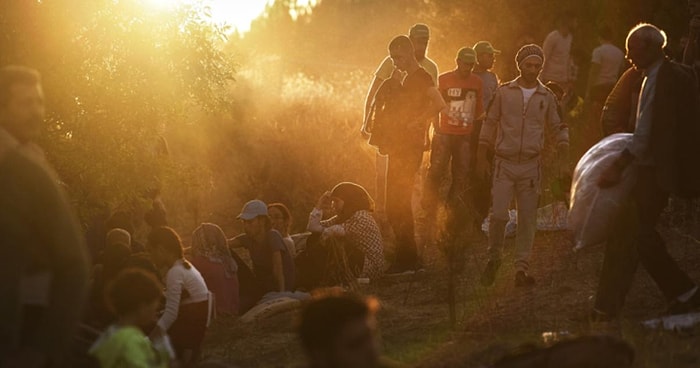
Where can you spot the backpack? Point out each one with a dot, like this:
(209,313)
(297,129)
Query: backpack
(384,116)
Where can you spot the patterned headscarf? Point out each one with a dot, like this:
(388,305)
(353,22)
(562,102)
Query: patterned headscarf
(208,240)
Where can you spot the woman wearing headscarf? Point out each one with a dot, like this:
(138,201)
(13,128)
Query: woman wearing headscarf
(211,256)
(348,209)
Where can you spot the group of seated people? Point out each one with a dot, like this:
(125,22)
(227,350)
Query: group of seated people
(126,296)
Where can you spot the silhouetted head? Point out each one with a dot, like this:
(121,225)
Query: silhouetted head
(255,218)
(645,45)
(419,34)
(485,54)
(165,247)
(529,60)
(280,217)
(340,331)
(134,294)
(401,52)
(21,102)
(349,198)
(466,59)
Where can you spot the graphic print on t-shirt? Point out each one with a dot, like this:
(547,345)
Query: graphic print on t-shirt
(462,102)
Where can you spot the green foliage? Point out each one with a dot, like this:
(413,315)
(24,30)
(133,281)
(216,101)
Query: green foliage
(118,76)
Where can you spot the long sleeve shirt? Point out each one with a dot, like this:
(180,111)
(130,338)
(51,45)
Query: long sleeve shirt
(178,279)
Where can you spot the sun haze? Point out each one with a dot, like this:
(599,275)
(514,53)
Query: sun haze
(237,13)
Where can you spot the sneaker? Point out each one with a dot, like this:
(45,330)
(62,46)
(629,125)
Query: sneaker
(489,274)
(691,305)
(522,279)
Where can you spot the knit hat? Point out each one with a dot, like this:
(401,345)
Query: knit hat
(528,51)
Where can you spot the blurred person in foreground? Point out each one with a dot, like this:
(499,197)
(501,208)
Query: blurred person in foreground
(418,101)
(134,297)
(519,117)
(452,142)
(340,331)
(44,275)
(663,152)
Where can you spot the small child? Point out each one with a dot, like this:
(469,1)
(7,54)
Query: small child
(134,297)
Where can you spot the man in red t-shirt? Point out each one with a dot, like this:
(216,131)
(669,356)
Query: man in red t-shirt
(463,93)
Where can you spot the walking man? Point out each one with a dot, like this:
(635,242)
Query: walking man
(485,58)
(521,113)
(419,34)
(419,101)
(663,152)
(463,91)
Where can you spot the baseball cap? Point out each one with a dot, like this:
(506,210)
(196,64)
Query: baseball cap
(253,209)
(467,55)
(485,47)
(419,30)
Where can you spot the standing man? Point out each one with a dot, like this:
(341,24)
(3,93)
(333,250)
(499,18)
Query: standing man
(419,34)
(44,273)
(485,57)
(463,92)
(663,151)
(606,64)
(419,101)
(521,113)
(557,53)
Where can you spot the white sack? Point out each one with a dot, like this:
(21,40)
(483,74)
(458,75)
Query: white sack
(593,210)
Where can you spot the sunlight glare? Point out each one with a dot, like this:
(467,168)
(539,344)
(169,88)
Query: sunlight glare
(238,14)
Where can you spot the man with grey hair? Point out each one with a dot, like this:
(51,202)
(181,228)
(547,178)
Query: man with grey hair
(521,113)
(665,144)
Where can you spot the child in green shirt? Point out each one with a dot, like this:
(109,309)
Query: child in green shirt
(134,296)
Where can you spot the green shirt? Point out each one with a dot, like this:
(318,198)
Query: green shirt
(126,347)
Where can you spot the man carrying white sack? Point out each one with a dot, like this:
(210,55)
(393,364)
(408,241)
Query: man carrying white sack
(521,113)
(665,143)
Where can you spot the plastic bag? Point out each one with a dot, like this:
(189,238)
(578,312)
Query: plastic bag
(593,209)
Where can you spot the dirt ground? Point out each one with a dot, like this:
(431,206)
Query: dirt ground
(491,321)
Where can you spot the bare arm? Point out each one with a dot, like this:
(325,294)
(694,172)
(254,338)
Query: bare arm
(236,242)
(277,271)
(437,105)
(376,83)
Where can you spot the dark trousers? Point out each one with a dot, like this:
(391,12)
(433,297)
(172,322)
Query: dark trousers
(620,260)
(447,149)
(401,173)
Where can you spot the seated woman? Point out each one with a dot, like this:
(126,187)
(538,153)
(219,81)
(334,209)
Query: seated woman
(211,256)
(352,223)
(186,293)
(281,220)
(273,266)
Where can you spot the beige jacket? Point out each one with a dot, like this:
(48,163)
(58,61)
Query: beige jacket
(516,133)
